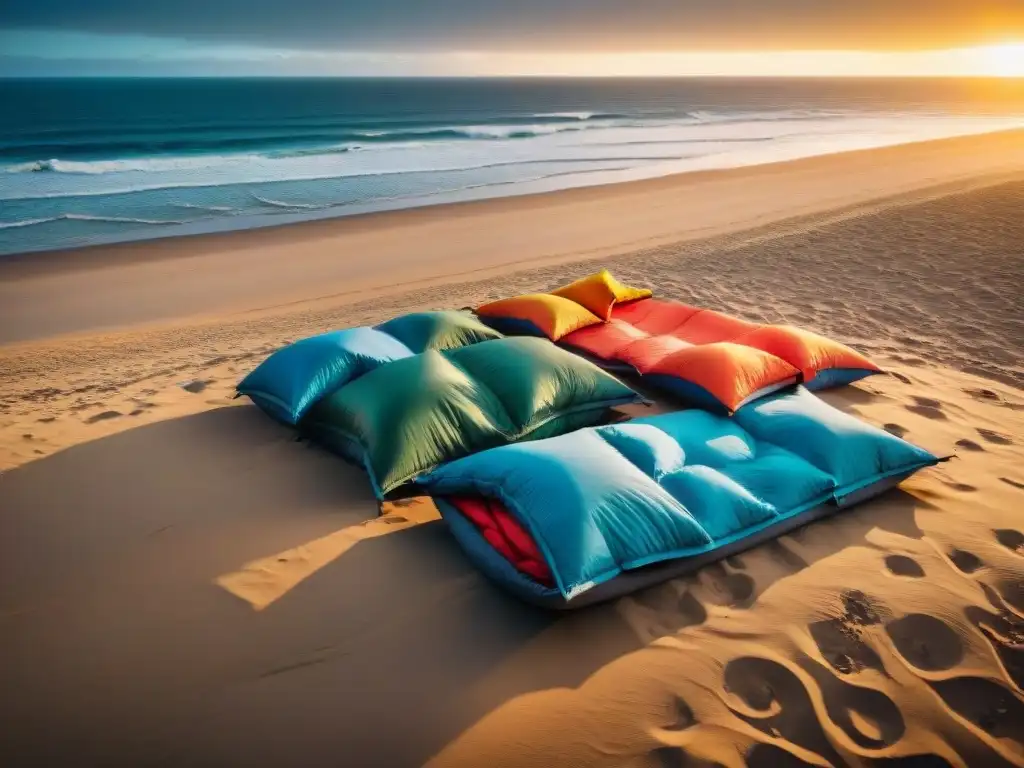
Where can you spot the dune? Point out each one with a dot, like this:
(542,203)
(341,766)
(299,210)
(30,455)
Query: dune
(184,583)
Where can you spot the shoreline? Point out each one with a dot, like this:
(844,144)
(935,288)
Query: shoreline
(326,225)
(56,293)
(543,185)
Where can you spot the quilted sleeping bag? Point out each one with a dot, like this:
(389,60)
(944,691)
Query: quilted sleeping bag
(407,417)
(709,359)
(290,381)
(600,512)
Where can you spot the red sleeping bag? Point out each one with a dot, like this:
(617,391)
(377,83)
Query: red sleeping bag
(709,358)
(715,358)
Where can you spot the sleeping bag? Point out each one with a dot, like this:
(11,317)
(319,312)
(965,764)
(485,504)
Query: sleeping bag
(709,359)
(407,417)
(597,513)
(294,378)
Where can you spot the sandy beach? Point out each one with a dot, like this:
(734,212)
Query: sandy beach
(182,583)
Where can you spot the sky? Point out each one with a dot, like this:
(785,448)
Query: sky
(510,37)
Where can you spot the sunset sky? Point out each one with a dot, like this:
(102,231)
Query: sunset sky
(525,37)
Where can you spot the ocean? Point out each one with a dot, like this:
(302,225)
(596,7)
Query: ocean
(86,161)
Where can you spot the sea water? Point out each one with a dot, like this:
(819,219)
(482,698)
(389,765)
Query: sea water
(86,161)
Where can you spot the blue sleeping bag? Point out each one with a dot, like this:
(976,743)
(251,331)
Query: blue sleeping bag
(614,508)
(296,377)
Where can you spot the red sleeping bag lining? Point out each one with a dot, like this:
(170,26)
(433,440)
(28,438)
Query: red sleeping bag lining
(506,535)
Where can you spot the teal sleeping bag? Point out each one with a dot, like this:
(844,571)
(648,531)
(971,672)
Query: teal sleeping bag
(289,382)
(617,507)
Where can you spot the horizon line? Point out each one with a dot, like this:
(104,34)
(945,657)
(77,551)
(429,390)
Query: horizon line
(524,76)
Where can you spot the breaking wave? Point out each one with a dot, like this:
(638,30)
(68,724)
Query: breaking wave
(281,204)
(352,141)
(85,217)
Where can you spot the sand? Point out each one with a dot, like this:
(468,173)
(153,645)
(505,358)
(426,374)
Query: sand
(181,583)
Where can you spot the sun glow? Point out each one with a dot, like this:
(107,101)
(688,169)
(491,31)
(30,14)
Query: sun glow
(73,52)
(1002,60)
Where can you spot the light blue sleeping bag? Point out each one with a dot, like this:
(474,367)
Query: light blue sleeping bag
(606,505)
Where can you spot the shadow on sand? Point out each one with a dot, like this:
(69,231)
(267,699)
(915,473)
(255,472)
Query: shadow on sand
(122,650)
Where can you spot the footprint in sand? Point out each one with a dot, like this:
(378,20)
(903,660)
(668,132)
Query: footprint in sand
(842,647)
(968,562)
(927,407)
(1012,592)
(961,487)
(670,757)
(969,445)
(682,716)
(735,589)
(895,429)
(915,362)
(993,598)
(46,419)
(660,598)
(780,553)
(760,682)
(195,387)
(106,415)
(983,394)
(771,756)
(781,705)
(901,565)
(900,377)
(859,610)
(1015,483)
(1011,539)
(690,612)
(1004,632)
(926,642)
(675,611)
(995,437)
(988,705)
(867,716)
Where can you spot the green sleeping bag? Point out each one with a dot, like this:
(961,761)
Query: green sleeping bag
(412,415)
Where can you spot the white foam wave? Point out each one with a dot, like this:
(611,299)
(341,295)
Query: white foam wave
(567,115)
(281,204)
(517,131)
(476,164)
(145,165)
(197,207)
(24,223)
(776,115)
(118,219)
(342,149)
(87,217)
(402,140)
